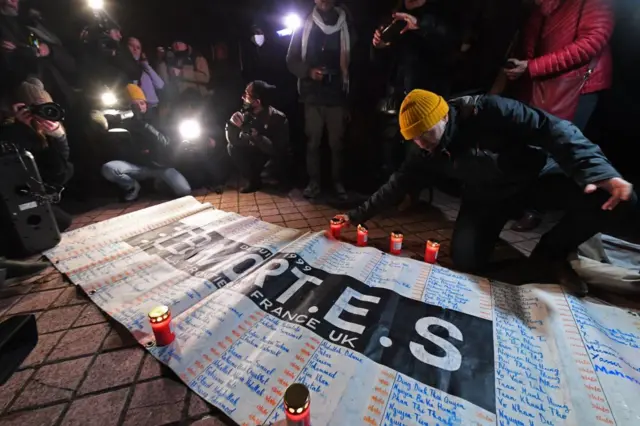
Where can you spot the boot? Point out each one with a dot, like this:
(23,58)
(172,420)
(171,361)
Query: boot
(18,269)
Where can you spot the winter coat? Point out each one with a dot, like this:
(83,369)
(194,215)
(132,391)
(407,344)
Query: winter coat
(496,147)
(147,146)
(273,134)
(551,47)
(194,75)
(421,59)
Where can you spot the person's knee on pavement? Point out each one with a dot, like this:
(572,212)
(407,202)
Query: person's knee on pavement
(176,182)
(109,171)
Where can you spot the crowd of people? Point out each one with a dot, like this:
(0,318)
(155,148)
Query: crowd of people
(503,150)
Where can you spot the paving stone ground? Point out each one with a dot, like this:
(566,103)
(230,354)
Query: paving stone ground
(87,370)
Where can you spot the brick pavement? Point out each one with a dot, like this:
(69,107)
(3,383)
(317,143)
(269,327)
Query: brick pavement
(88,371)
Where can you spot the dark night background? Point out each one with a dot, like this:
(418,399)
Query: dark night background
(204,22)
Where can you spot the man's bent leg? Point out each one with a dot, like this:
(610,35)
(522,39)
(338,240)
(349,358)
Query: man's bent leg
(175,181)
(476,233)
(121,173)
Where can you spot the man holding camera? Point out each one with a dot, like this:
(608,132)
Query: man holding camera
(146,155)
(259,134)
(507,153)
(319,55)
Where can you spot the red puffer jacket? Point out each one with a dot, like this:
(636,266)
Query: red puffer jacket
(551,45)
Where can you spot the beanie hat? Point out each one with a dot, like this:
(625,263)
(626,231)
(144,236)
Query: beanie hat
(420,111)
(31,92)
(135,93)
(263,91)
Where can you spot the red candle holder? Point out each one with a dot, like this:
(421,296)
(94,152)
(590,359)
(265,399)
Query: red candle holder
(297,405)
(336,225)
(431,251)
(160,319)
(395,246)
(363,235)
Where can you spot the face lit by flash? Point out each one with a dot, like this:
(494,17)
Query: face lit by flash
(430,139)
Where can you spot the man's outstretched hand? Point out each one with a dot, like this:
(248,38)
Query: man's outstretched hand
(619,189)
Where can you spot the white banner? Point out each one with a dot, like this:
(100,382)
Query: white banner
(377,339)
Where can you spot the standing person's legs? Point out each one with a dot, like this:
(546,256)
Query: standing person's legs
(476,233)
(336,126)
(314,117)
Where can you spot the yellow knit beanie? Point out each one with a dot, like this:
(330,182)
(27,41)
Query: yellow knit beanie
(135,93)
(420,111)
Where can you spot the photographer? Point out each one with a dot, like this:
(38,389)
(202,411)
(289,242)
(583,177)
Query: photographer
(416,48)
(258,134)
(320,56)
(145,157)
(185,72)
(45,140)
(149,80)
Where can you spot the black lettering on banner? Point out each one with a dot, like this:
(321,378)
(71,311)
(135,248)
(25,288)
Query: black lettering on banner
(441,348)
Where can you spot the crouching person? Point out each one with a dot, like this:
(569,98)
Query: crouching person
(144,155)
(257,135)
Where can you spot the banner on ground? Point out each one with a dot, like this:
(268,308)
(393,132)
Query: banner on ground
(378,339)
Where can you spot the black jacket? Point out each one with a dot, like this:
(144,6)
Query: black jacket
(496,147)
(51,156)
(17,65)
(147,146)
(113,68)
(273,134)
(421,59)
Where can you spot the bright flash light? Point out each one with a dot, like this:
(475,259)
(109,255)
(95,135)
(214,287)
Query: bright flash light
(190,129)
(109,99)
(291,22)
(96,4)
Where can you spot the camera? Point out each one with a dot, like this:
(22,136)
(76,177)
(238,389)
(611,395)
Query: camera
(50,111)
(248,123)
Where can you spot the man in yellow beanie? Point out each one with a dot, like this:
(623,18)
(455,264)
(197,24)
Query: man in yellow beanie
(148,157)
(505,154)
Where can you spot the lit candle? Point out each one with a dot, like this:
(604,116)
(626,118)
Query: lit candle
(336,226)
(160,319)
(396,242)
(363,236)
(297,405)
(431,251)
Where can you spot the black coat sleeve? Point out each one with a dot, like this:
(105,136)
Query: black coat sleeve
(392,192)
(438,30)
(579,158)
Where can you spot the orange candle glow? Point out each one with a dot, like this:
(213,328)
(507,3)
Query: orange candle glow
(431,251)
(363,236)
(160,319)
(336,225)
(396,242)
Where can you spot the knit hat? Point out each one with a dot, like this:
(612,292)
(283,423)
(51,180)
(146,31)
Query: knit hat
(420,111)
(31,92)
(135,93)
(263,91)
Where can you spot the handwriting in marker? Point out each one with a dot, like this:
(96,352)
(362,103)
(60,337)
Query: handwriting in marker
(190,371)
(604,420)
(370,421)
(235,333)
(262,409)
(381,391)
(316,341)
(387,374)
(300,358)
(241,327)
(222,345)
(254,419)
(283,382)
(383,382)
(184,377)
(295,366)
(253,317)
(588,379)
(289,374)
(593,388)
(249,323)
(310,346)
(276,391)
(484,417)
(377,399)
(374,410)
(215,352)
(271,401)
(600,408)
(305,352)
(229,339)
(596,397)
(207,358)
(199,365)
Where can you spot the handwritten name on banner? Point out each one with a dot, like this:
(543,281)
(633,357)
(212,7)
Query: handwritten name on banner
(378,340)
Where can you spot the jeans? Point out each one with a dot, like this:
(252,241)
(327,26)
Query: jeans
(316,118)
(479,223)
(124,175)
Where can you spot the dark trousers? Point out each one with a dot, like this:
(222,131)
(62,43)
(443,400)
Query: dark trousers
(586,105)
(316,118)
(479,223)
(250,162)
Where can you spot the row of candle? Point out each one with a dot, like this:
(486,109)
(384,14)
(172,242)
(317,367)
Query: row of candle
(396,239)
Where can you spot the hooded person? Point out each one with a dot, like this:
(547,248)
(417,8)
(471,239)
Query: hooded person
(499,149)
(147,157)
(320,56)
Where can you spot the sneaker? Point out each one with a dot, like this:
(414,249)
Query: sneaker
(251,187)
(312,190)
(341,192)
(132,194)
